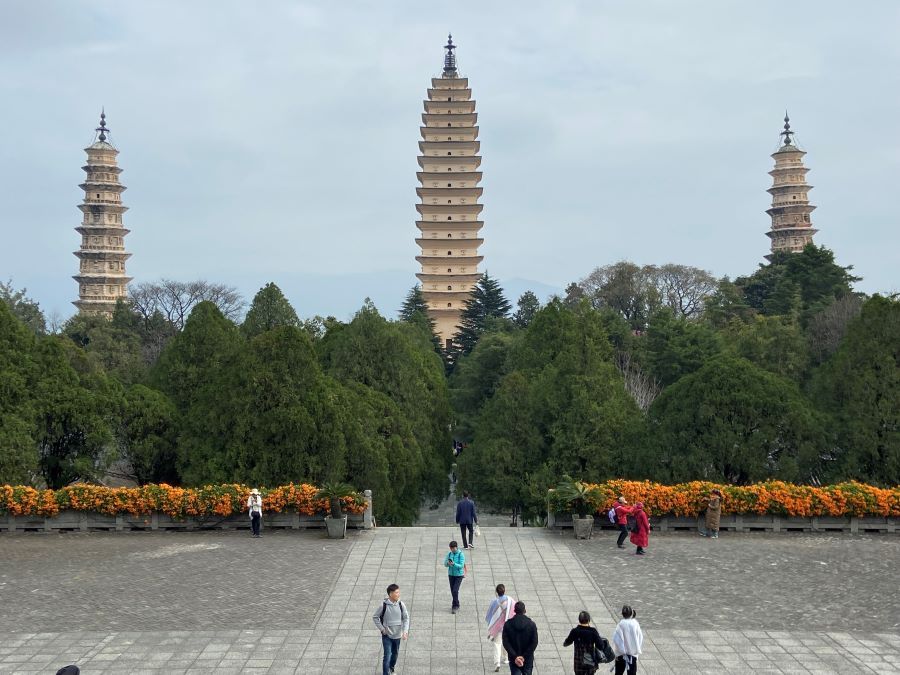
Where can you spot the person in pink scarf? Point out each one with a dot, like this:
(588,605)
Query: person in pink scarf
(500,610)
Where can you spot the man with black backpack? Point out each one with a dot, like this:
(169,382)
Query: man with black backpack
(392,619)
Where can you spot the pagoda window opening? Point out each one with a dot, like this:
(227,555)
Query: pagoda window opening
(448,185)
(449,304)
(449,217)
(449,153)
(449,288)
(449,270)
(449,236)
(449,252)
(449,201)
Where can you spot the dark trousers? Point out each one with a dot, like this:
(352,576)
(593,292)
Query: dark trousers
(391,648)
(525,669)
(470,529)
(454,589)
(255,523)
(621,664)
(623,535)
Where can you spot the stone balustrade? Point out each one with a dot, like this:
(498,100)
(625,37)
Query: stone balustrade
(751,523)
(88,521)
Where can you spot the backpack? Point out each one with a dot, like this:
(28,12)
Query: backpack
(612,515)
(631,522)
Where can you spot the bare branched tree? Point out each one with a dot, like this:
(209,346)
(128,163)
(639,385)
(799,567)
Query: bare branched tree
(641,387)
(174,300)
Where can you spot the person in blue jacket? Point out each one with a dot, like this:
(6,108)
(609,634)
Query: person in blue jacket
(455,562)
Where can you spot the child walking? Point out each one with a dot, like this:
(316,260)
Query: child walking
(627,642)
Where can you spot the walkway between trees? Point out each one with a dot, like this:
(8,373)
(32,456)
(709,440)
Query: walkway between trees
(445,513)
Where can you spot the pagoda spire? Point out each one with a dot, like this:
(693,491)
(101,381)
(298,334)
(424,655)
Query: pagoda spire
(449,58)
(449,212)
(101,130)
(790,211)
(101,269)
(787,133)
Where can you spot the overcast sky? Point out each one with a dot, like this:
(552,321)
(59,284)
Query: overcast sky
(277,141)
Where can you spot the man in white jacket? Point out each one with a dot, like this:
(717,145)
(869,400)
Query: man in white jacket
(627,642)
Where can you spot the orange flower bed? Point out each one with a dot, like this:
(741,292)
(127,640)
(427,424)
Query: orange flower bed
(176,502)
(771,497)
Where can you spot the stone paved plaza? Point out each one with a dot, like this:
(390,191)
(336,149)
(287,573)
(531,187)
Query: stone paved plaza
(295,602)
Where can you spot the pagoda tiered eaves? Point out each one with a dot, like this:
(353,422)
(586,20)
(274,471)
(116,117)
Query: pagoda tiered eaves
(791,220)
(449,209)
(101,277)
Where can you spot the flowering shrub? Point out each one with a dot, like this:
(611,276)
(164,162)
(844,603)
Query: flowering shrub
(209,500)
(771,497)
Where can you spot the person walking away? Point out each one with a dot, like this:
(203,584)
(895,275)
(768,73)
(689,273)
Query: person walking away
(713,514)
(392,620)
(586,640)
(622,513)
(520,640)
(641,535)
(455,562)
(254,507)
(466,517)
(627,642)
(498,613)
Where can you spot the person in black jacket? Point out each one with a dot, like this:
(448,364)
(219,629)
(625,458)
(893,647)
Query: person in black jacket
(520,639)
(466,518)
(586,639)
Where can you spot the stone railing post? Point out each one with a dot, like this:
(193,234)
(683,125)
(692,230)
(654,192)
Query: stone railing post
(367,515)
(551,517)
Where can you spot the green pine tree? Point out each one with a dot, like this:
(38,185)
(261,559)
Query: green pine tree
(486,302)
(269,309)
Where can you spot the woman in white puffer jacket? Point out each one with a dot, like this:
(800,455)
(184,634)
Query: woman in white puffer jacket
(627,642)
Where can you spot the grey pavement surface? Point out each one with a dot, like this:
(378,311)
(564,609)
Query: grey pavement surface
(756,580)
(165,580)
(294,602)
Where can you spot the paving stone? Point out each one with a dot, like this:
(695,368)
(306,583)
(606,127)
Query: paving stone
(338,584)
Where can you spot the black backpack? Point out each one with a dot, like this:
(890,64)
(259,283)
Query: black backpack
(631,523)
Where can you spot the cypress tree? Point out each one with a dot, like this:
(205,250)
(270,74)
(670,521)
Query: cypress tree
(487,302)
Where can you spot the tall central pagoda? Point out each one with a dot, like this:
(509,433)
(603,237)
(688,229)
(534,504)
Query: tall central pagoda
(101,270)
(791,211)
(449,210)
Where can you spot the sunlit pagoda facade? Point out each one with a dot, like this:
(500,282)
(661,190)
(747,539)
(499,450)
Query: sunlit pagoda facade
(449,213)
(101,272)
(791,212)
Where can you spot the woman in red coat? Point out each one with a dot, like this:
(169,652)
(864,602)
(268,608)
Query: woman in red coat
(640,536)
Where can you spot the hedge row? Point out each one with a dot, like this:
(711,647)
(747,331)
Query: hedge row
(209,500)
(771,497)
